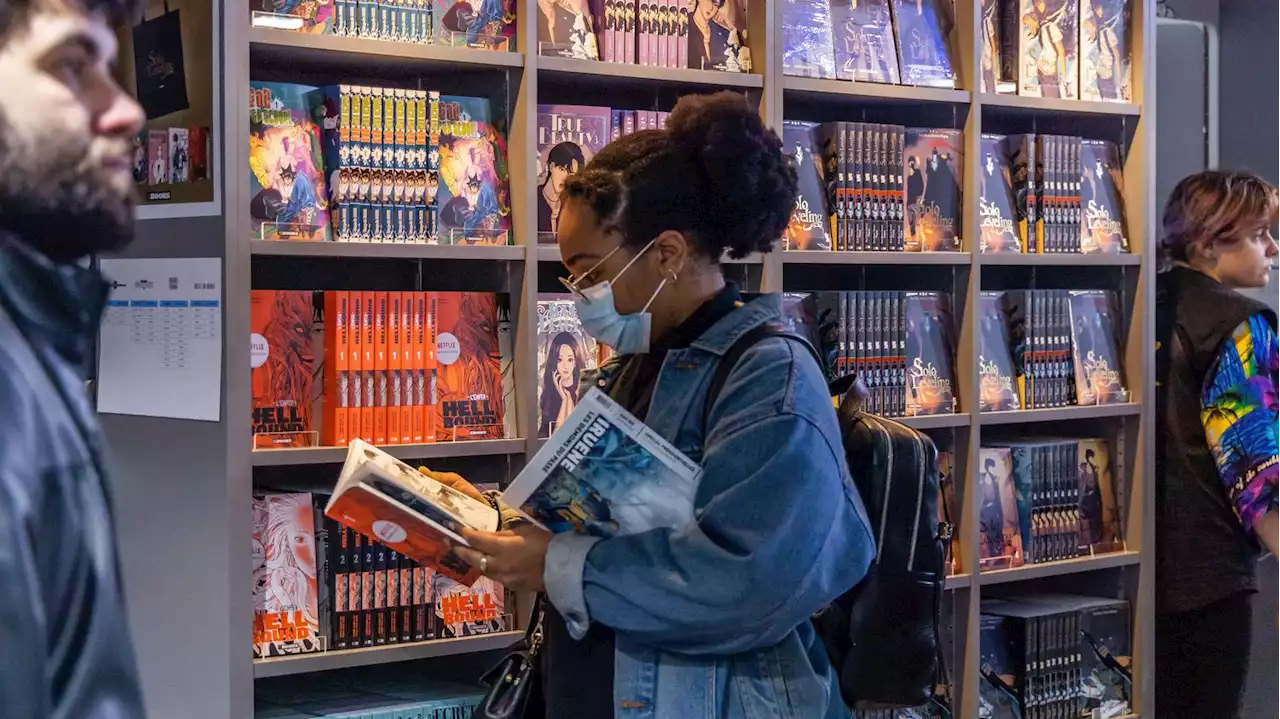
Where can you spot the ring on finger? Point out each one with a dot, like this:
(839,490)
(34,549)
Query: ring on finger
(484,563)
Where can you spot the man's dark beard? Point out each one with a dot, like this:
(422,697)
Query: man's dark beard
(56,205)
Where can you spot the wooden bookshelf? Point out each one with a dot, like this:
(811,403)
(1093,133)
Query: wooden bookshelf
(220,676)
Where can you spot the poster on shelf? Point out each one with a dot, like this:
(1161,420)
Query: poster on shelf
(160,348)
(168,60)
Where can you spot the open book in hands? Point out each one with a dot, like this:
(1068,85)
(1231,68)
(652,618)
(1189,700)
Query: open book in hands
(602,473)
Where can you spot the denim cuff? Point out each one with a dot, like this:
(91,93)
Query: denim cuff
(566,558)
(508,516)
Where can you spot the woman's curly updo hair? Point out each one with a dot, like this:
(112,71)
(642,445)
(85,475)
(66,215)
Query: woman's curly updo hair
(716,174)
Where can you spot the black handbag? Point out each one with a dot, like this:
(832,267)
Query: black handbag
(515,687)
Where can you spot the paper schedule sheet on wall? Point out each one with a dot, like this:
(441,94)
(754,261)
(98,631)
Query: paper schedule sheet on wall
(160,350)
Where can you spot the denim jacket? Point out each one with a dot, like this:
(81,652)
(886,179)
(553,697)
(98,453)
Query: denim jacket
(712,618)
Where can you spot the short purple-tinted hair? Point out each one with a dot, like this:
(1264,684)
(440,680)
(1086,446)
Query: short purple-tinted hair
(1216,206)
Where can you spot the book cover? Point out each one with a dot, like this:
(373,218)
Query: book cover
(933,166)
(1106,658)
(605,473)
(200,149)
(1106,50)
(282,362)
(567,28)
(1047,48)
(1029,481)
(318,16)
(923,29)
(141,169)
(1020,152)
(800,315)
(948,510)
(568,137)
(286,619)
(1102,222)
(484,24)
(337,367)
(807,228)
(990,38)
(718,36)
(999,531)
(929,349)
(179,155)
(995,201)
(1094,349)
(379,496)
(806,39)
(1100,510)
(474,195)
(158,156)
(468,381)
(468,611)
(1000,670)
(864,43)
(564,351)
(287,181)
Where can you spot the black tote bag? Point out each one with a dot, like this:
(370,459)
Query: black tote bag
(157,65)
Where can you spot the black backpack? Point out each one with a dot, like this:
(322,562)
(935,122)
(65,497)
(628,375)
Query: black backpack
(882,634)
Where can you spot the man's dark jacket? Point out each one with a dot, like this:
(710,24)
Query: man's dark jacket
(65,650)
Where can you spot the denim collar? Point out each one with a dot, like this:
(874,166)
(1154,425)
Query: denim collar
(722,335)
(57,304)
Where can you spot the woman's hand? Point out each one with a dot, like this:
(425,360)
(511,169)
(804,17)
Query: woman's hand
(515,558)
(456,482)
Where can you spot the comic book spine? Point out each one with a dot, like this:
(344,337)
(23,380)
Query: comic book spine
(355,589)
(673,34)
(857,233)
(404,599)
(842,334)
(642,32)
(875,224)
(339,562)
(901,329)
(1077,198)
(336,367)
(394,559)
(395,366)
(845,200)
(660,28)
(899,185)
(859,337)
(878,351)
(355,366)
(368,365)
(1036,240)
(883,153)
(380,366)
(1062,332)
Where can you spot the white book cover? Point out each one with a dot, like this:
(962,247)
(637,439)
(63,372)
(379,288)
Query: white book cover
(603,473)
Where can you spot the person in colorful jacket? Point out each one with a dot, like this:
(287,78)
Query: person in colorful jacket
(66,192)
(1216,466)
(710,620)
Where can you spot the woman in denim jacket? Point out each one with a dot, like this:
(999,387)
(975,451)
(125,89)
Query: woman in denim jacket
(711,619)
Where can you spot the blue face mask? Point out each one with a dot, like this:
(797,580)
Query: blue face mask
(626,334)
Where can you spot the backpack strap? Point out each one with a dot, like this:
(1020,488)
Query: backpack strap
(749,339)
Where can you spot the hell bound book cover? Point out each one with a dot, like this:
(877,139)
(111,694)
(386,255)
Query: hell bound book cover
(1102,226)
(568,137)
(999,532)
(1047,49)
(285,616)
(463,611)
(807,228)
(863,40)
(282,358)
(482,24)
(934,162)
(474,195)
(317,16)
(287,181)
(1096,355)
(806,39)
(718,35)
(995,200)
(1106,52)
(566,28)
(1100,510)
(469,368)
(929,348)
(924,27)
(564,351)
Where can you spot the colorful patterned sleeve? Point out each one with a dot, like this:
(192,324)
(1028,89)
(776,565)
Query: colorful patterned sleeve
(1238,410)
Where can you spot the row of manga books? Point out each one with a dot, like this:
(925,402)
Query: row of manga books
(394,367)
(1048,348)
(905,42)
(370,164)
(874,187)
(171,156)
(483,25)
(1070,49)
(1055,656)
(694,34)
(385,693)
(568,137)
(1045,501)
(319,586)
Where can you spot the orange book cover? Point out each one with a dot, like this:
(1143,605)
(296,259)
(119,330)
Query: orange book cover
(406,367)
(355,366)
(337,342)
(419,411)
(395,343)
(381,364)
(368,363)
(468,367)
(282,360)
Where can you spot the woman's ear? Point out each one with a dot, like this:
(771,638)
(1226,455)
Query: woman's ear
(673,251)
